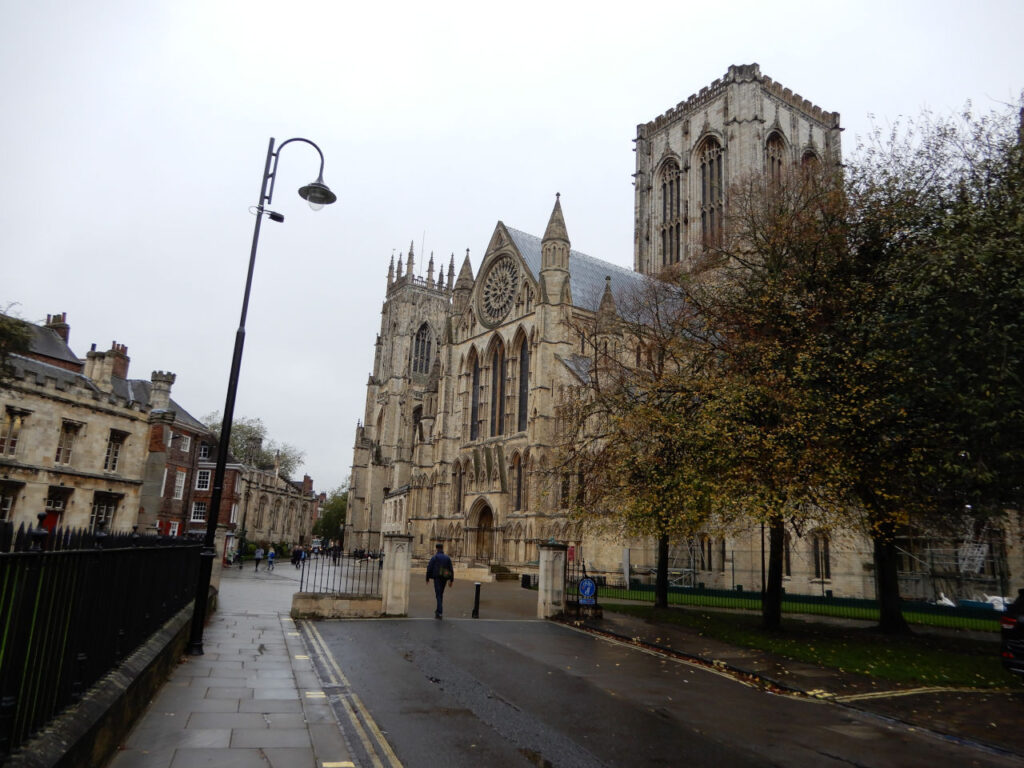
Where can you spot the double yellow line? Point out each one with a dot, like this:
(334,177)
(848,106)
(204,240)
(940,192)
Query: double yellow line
(374,743)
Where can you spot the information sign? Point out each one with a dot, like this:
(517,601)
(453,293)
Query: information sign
(588,591)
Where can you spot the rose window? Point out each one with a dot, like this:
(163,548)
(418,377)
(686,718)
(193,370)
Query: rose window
(499,291)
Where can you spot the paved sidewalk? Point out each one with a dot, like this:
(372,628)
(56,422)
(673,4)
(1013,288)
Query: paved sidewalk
(252,699)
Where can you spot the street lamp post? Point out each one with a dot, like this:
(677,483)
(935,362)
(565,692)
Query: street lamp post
(317,194)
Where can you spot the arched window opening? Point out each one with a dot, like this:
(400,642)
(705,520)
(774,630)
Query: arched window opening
(517,473)
(671,213)
(497,392)
(774,150)
(417,417)
(711,197)
(474,396)
(421,350)
(524,385)
(821,556)
(810,162)
(705,553)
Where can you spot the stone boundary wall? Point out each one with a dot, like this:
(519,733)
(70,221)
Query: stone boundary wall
(316,605)
(88,733)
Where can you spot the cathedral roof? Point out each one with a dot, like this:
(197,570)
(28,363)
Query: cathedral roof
(586,274)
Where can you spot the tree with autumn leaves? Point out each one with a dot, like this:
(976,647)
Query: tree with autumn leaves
(850,351)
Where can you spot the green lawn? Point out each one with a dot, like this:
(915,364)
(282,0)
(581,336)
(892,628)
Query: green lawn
(916,659)
(846,609)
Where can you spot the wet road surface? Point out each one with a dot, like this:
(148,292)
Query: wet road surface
(464,692)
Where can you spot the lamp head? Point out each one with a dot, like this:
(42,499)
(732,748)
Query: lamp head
(317,194)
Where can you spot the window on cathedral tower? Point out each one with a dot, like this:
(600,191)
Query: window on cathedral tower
(421,350)
(774,151)
(671,213)
(524,385)
(711,198)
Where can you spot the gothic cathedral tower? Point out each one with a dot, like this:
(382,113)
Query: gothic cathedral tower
(686,159)
(401,394)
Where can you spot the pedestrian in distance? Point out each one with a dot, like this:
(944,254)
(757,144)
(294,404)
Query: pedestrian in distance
(257,556)
(271,556)
(441,570)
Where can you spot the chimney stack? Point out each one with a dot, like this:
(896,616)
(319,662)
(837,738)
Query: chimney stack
(59,324)
(119,360)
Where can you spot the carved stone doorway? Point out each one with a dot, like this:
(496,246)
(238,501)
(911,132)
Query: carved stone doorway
(485,535)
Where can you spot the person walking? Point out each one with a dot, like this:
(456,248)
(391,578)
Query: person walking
(441,570)
(257,556)
(271,556)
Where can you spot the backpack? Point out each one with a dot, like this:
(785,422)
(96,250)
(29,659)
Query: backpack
(444,570)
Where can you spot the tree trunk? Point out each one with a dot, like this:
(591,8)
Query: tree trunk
(887,584)
(661,579)
(771,600)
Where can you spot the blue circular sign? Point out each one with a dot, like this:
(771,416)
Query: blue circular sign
(588,588)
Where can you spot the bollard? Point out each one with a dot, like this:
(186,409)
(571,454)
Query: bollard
(476,601)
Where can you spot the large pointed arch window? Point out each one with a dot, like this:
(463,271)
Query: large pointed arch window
(671,213)
(524,385)
(711,194)
(497,391)
(421,350)
(774,152)
(474,397)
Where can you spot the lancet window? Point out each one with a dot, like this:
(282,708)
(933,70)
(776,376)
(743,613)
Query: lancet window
(711,193)
(421,350)
(671,213)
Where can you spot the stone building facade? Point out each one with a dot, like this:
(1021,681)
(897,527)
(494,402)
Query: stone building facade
(269,508)
(458,441)
(74,437)
(88,446)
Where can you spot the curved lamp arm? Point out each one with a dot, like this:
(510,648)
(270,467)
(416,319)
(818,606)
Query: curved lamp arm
(316,192)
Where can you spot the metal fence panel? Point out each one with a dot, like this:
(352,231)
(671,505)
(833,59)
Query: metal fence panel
(342,574)
(73,605)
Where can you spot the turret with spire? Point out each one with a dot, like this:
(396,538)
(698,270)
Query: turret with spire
(391,270)
(463,286)
(409,265)
(554,261)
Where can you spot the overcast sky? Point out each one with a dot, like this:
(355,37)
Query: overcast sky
(134,135)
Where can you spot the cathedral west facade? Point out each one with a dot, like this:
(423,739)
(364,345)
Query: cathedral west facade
(458,443)
(458,437)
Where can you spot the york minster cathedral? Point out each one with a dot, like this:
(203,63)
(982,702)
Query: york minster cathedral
(458,438)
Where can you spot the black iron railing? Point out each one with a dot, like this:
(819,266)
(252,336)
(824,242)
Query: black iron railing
(73,606)
(343,574)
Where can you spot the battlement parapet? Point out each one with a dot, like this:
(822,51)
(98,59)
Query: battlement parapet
(738,73)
